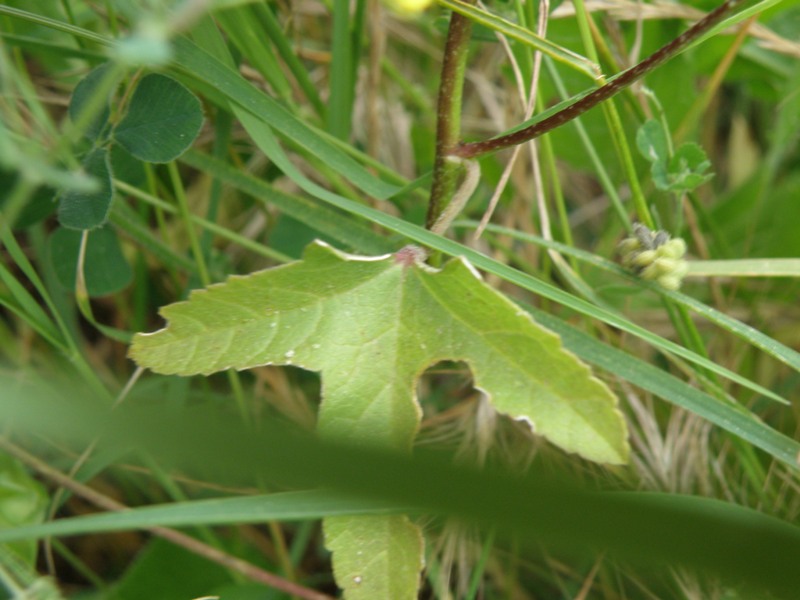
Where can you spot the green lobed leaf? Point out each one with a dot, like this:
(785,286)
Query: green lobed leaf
(162,122)
(89,209)
(372,326)
(679,172)
(423,236)
(375,556)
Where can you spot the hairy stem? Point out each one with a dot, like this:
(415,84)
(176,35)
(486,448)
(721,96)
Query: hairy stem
(613,87)
(448,125)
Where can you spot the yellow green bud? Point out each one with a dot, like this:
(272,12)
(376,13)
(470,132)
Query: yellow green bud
(674,248)
(644,258)
(670,282)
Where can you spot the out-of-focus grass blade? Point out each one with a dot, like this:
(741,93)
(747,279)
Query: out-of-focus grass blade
(746,267)
(738,17)
(525,36)
(23,304)
(46,46)
(54,24)
(654,529)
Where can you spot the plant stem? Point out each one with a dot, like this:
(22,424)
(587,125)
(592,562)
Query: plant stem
(613,87)
(448,125)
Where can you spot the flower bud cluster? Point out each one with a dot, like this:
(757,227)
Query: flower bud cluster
(654,256)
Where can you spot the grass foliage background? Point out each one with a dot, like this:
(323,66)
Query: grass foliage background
(320,122)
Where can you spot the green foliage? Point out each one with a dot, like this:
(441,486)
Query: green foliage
(23,501)
(537,508)
(105,269)
(144,578)
(20,580)
(680,171)
(320,122)
(162,121)
(371,326)
(82,96)
(375,556)
(89,210)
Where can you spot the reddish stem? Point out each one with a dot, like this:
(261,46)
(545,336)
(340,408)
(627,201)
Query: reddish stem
(604,92)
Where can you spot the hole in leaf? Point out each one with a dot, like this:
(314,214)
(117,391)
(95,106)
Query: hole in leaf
(460,419)
(444,385)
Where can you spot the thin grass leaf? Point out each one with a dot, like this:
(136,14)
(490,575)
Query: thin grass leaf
(129,222)
(732,418)
(24,305)
(737,18)
(284,507)
(754,336)
(79,32)
(316,216)
(49,47)
(206,34)
(22,262)
(342,72)
(244,32)
(286,51)
(235,88)
(210,227)
(525,36)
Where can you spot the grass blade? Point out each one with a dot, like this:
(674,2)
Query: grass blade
(754,336)
(236,89)
(525,36)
